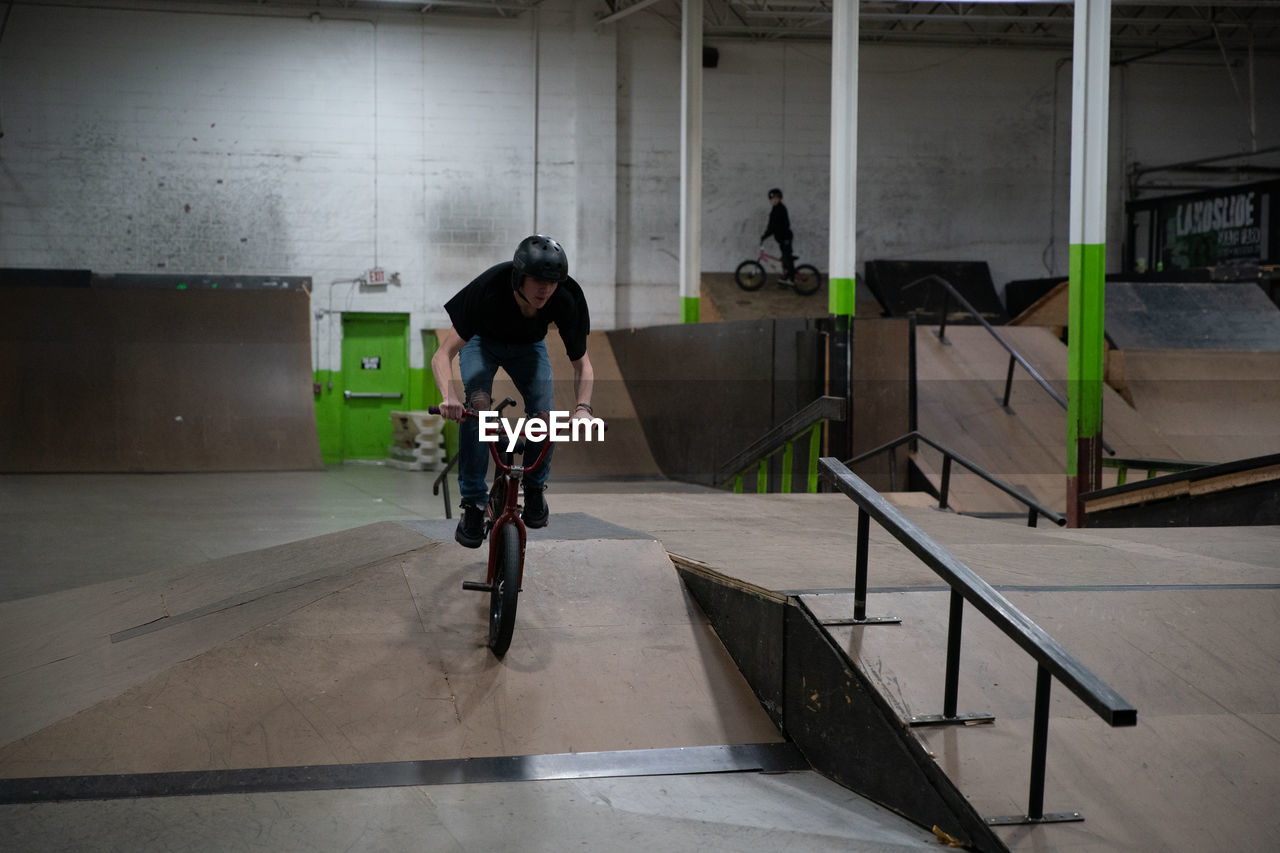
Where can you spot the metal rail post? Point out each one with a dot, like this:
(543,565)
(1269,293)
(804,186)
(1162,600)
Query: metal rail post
(860,567)
(952,686)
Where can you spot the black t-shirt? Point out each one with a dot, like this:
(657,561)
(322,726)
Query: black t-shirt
(487,307)
(779,224)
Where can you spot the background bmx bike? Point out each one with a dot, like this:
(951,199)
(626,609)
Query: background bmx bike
(752,274)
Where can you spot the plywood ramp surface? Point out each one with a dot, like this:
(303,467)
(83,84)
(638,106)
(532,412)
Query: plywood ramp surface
(1211,405)
(61,653)
(390,665)
(960,389)
(1181,623)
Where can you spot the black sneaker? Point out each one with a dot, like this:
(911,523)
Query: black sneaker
(535,508)
(470,532)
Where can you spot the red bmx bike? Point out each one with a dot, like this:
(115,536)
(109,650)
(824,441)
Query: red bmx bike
(507,535)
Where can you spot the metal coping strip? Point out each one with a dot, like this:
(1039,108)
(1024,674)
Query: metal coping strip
(734,758)
(1126,587)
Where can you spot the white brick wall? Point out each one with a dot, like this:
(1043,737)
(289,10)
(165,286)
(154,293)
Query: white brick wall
(171,141)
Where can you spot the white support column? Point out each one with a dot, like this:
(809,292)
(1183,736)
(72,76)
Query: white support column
(1090,102)
(842,270)
(691,164)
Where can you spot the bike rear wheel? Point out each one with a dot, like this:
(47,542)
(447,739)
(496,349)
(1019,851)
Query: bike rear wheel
(749,275)
(505,591)
(807,280)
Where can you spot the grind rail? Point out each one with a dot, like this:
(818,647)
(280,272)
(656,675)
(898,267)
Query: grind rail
(949,293)
(808,421)
(1052,661)
(1034,508)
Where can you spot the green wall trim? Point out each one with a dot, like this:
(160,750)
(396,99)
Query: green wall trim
(690,308)
(329,414)
(431,395)
(1085,346)
(840,296)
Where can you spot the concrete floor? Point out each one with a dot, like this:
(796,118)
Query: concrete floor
(72,542)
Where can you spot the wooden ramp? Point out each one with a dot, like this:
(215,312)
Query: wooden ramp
(1179,622)
(147,380)
(1233,494)
(1191,315)
(362,647)
(960,388)
(1209,405)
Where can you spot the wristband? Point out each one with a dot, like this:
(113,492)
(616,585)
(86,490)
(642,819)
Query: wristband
(587,406)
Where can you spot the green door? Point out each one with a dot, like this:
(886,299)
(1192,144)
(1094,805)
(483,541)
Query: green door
(375,378)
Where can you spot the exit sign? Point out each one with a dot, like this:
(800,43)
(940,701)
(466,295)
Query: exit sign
(377,275)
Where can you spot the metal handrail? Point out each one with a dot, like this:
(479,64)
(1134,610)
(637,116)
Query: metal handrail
(1034,508)
(1152,466)
(821,409)
(443,479)
(1014,356)
(1052,661)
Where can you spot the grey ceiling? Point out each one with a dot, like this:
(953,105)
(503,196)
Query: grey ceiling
(1155,26)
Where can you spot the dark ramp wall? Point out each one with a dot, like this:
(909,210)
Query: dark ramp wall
(155,381)
(704,392)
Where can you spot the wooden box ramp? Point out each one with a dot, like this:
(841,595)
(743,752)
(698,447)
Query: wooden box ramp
(63,653)
(818,698)
(1199,315)
(960,385)
(1172,315)
(753,375)
(358,651)
(105,380)
(1233,494)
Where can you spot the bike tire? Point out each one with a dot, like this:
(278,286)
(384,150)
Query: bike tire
(749,275)
(506,590)
(807,280)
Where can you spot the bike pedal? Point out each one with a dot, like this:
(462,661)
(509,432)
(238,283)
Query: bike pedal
(477,586)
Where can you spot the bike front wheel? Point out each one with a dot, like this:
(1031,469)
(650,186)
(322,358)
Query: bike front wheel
(749,275)
(505,591)
(807,280)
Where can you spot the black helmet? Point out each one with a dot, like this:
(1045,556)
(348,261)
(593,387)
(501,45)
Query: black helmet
(775,192)
(540,257)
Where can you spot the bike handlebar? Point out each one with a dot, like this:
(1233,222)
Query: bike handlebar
(493,446)
(468,413)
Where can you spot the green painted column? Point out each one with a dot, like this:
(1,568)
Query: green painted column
(1091,86)
(840,296)
(690,309)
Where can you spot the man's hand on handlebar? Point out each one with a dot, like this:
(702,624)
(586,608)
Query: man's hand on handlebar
(452,408)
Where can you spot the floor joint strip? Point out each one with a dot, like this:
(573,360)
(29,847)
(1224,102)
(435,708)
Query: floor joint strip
(672,761)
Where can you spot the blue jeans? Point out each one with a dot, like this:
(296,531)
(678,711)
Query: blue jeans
(530,370)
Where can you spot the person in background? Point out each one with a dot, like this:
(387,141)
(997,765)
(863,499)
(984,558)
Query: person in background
(779,228)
